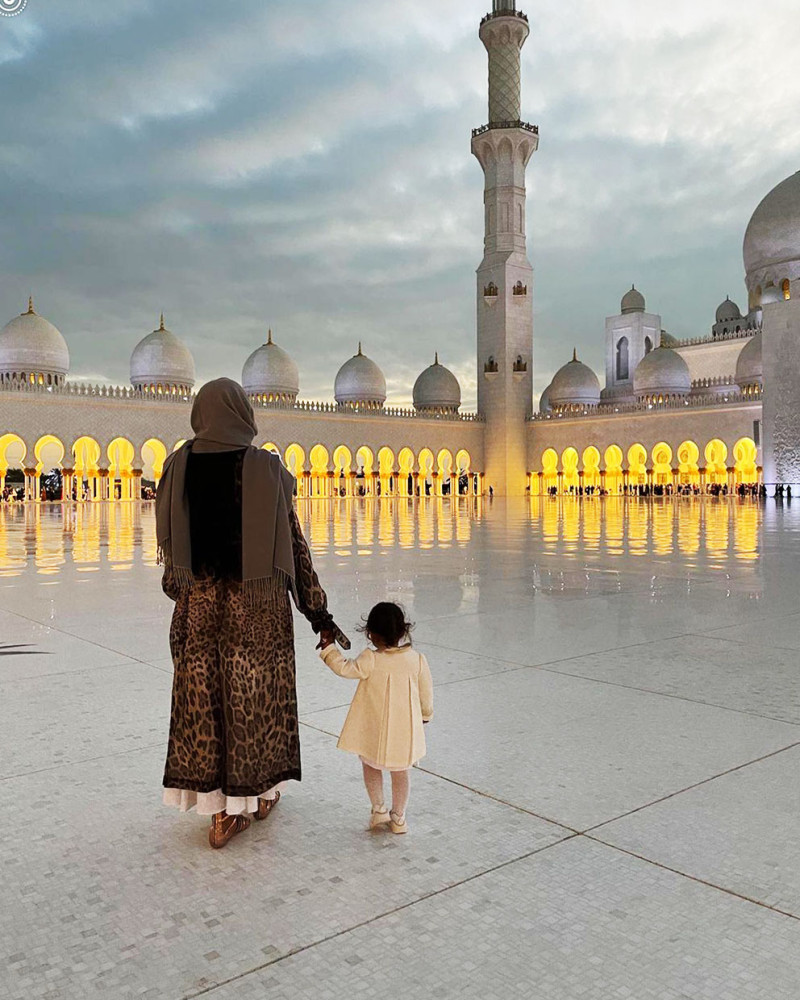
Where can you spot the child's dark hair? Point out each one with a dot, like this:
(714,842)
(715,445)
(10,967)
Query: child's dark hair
(388,622)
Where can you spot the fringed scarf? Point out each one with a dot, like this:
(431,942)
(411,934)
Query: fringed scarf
(223,420)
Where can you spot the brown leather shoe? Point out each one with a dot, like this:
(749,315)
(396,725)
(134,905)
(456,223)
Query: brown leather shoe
(225,827)
(265,807)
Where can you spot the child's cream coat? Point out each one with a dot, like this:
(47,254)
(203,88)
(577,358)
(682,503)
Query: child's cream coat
(393,699)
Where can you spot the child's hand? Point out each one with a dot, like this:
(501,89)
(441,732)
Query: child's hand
(325,639)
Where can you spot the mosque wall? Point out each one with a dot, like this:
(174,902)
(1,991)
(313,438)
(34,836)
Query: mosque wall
(781,334)
(727,423)
(714,359)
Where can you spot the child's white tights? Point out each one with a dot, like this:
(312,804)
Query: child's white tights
(401,787)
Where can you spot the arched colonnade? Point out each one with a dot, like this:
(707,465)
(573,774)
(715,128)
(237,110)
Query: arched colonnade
(617,469)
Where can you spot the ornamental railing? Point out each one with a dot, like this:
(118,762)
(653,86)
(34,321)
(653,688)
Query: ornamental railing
(82,390)
(525,126)
(695,401)
(504,13)
(711,339)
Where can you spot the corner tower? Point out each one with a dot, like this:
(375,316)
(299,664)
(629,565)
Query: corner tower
(503,148)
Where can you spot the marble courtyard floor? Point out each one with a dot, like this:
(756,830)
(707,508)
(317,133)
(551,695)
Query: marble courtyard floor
(610,807)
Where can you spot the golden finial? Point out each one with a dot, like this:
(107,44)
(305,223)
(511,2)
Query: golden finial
(359,350)
(161,326)
(574,353)
(269,336)
(31,311)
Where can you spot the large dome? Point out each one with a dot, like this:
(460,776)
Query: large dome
(360,380)
(632,301)
(162,362)
(574,385)
(33,348)
(437,388)
(663,372)
(545,406)
(749,366)
(772,241)
(271,372)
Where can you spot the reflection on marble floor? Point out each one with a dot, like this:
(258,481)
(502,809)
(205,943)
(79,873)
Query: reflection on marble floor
(46,536)
(609,807)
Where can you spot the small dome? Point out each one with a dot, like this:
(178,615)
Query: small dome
(749,367)
(270,371)
(161,359)
(545,405)
(772,241)
(437,388)
(632,301)
(667,340)
(30,345)
(728,312)
(574,385)
(662,371)
(360,380)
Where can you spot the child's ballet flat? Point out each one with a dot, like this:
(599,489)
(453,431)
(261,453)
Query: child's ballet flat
(379,817)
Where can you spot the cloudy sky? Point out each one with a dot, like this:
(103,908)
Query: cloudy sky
(306,165)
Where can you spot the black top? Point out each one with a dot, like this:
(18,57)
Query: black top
(214,489)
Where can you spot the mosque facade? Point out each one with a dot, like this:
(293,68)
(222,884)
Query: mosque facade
(718,410)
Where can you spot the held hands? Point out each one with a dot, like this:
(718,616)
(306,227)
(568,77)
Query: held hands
(326,638)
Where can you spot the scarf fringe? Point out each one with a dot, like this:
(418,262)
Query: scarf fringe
(266,591)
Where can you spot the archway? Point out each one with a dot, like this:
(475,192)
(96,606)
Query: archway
(271,447)
(154,454)
(615,478)
(623,368)
(569,464)
(444,462)
(12,456)
(295,459)
(466,482)
(121,454)
(388,484)
(591,468)
(662,464)
(406,462)
(716,454)
(637,465)
(426,472)
(745,454)
(688,469)
(550,470)
(342,471)
(318,456)
(365,475)
(86,462)
(49,479)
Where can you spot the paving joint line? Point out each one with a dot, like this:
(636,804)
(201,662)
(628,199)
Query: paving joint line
(85,760)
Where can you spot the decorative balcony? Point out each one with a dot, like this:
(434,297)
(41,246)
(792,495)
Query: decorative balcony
(525,126)
(504,13)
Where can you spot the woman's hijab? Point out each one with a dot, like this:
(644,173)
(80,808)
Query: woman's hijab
(223,420)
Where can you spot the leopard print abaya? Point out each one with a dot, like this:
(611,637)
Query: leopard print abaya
(234,705)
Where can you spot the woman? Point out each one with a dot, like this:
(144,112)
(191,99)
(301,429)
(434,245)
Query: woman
(232,550)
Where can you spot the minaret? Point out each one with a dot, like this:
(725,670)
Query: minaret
(505,278)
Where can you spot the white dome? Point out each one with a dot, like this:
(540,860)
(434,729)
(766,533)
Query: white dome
(662,371)
(772,241)
(544,401)
(728,312)
(574,385)
(749,367)
(667,340)
(360,380)
(270,371)
(30,345)
(632,301)
(162,359)
(437,388)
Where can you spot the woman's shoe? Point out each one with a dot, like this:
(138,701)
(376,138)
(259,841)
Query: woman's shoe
(225,827)
(379,817)
(265,807)
(397,824)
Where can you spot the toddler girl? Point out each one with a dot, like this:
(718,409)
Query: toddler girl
(393,700)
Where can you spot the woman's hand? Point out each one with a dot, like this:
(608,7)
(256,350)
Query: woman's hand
(326,638)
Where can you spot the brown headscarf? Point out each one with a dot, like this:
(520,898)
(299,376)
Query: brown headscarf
(223,420)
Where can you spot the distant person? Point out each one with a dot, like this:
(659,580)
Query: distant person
(233,551)
(392,702)
(491,492)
